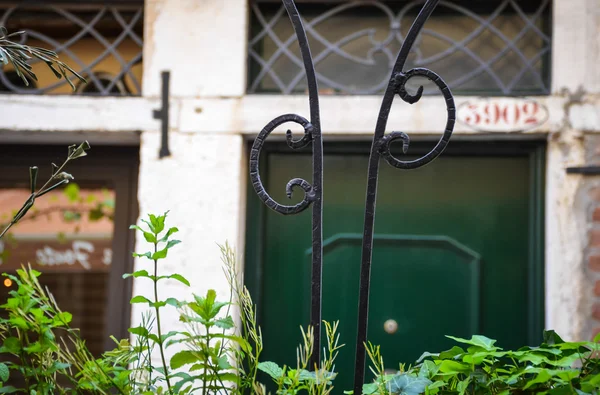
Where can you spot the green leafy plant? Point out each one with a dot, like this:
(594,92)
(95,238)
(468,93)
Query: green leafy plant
(316,381)
(215,356)
(156,226)
(477,366)
(41,348)
(209,339)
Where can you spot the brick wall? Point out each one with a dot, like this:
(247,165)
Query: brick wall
(592,184)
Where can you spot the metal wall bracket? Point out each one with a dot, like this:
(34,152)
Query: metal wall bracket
(584,170)
(163,115)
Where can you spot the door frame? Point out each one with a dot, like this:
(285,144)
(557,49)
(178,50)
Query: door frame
(534,149)
(118,165)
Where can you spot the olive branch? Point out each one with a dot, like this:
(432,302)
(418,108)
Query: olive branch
(19,55)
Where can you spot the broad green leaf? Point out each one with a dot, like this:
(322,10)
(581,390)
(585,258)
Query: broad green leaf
(153,221)
(216,308)
(161,222)
(144,255)
(437,384)
(63,318)
(172,243)
(477,340)
(150,237)
(165,336)
(450,354)
(19,323)
(463,385)
(223,362)
(136,274)
(184,358)
(305,375)
(477,357)
(150,226)
(158,222)
(169,233)
(161,254)
(543,376)
(179,278)
(58,366)
(8,390)
(225,323)
(271,368)
(4,373)
(428,370)
(427,354)
(211,296)
(35,347)
(405,384)
(185,378)
(140,331)
(139,299)
(368,389)
(591,383)
(173,302)
(551,338)
(11,345)
(449,366)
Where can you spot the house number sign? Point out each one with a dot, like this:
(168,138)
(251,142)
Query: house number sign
(502,115)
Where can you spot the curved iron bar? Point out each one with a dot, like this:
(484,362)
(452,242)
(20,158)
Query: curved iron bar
(313,194)
(381,147)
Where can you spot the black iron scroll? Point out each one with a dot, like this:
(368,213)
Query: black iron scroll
(381,147)
(313,193)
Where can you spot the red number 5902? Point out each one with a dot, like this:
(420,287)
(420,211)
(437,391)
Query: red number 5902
(502,114)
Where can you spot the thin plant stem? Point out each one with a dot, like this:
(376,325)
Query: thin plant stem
(45,188)
(204,380)
(157,309)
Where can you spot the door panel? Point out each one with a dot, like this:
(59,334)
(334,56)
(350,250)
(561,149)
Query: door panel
(451,255)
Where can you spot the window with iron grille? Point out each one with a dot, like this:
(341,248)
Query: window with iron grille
(483,47)
(102,41)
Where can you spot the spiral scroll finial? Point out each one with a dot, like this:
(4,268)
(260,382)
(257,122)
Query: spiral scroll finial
(313,192)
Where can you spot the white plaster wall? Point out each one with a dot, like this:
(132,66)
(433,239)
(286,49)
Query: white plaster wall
(566,238)
(77,113)
(341,115)
(575,78)
(576,28)
(202,42)
(201,184)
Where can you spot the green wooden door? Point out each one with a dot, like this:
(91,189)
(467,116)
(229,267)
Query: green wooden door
(457,251)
